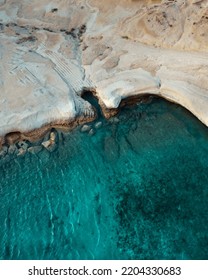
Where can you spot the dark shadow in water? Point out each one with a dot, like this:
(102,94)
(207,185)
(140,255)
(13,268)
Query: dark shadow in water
(89,96)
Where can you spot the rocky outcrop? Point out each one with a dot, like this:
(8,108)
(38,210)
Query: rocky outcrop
(141,47)
(51,51)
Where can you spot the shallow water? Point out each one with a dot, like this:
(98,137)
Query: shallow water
(137,189)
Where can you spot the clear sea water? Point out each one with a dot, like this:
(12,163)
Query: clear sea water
(136,189)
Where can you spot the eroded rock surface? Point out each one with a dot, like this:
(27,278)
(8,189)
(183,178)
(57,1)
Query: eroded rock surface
(157,47)
(51,51)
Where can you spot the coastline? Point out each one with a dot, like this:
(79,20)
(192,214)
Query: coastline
(47,61)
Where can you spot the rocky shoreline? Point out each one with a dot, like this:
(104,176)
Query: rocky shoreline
(19,143)
(47,138)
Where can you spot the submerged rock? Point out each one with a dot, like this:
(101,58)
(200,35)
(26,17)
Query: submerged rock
(52,148)
(21,152)
(46,144)
(34,149)
(98,125)
(91,132)
(12,149)
(111,149)
(85,128)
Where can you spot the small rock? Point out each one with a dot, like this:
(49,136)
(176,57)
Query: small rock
(52,136)
(49,145)
(12,149)
(91,132)
(85,128)
(23,145)
(21,152)
(46,144)
(34,149)
(98,125)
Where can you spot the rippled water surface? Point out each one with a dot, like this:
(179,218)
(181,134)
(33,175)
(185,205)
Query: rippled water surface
(136,189)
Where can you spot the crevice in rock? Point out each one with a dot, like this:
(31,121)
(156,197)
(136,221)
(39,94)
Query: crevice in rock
(75,33)
(90,96)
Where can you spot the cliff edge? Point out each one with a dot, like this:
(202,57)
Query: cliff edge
(51,51)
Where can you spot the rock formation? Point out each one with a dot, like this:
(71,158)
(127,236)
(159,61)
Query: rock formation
(51,50)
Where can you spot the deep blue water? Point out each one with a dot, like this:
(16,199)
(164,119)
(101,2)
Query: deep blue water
(136,189)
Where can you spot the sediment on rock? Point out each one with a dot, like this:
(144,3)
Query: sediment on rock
(39,133)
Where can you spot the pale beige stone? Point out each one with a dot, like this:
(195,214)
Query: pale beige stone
(52,137)
(21,152)
(160,51)
(47,144)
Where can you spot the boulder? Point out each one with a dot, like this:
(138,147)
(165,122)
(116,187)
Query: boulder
(49,145)
(52,136)
(46,144)
(91,132)
(85,128)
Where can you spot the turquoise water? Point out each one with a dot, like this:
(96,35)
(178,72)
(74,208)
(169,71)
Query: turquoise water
(136,189)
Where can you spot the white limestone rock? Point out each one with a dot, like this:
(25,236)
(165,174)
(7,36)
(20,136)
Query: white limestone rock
(129,48)
(152,56)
